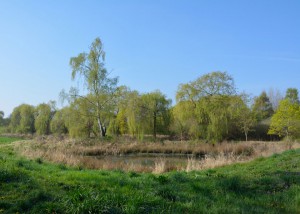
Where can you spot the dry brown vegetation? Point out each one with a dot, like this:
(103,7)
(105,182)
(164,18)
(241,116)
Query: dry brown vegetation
(84,153)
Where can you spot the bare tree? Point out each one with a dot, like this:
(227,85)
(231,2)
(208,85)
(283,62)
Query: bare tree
(275,97)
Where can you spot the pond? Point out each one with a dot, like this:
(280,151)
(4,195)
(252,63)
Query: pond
(141,162)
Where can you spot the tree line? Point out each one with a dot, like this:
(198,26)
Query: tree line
(208,108)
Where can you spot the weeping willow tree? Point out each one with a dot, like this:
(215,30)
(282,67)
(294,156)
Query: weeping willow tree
(22,119)
(208,99)
(184,121)
(137,116)
(43,117)
(156,108)
(79,119)
(217,116)
(58,122)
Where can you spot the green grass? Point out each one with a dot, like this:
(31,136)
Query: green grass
(266,185)
(8,140)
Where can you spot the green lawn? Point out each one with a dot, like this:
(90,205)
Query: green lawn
(8,140)
(266,185)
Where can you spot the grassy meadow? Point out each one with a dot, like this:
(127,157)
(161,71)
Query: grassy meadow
(265,185)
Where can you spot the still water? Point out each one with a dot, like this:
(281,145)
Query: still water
(140,162)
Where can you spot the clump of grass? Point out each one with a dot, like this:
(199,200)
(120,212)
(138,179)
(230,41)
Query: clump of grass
(212,161)
(160,166)
(192,164)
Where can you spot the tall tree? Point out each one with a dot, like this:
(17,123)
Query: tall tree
(22,119)
(118,124)
(244,117)
(214,83)
(262,107)
(1,117)
(136,116)
(210,95)
(275,96)
(80,119)
(58,122)
(292,95)
(96,78)
(42,119)
(157,106)
(184,120)
(15,119)
(27,119)
(286,121)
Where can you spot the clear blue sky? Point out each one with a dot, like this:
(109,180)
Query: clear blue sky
(149,44)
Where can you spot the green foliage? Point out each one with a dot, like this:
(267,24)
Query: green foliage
(142,114)
(292,95)
(206,107)
(286,120)
(22,119)
(42,119)
(262,107)
(4,123)
(214,83)
(184,121)
(155,106)
(118,126)
(57,124)
(136,116)
(244,118)
(15,119)
(216,109)
(102,89)
(79,119)
(1,118)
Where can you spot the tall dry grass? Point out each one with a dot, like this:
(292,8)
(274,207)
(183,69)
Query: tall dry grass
(160,166)
(258,149)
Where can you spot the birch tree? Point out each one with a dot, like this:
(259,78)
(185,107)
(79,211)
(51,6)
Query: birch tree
(91,67)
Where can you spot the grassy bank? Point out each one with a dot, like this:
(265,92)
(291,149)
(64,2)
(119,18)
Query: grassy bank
(266,185)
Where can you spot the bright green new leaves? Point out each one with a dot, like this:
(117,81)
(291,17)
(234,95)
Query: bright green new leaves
(141,114)
(57,124)
(156,107)
(42,119)
(22,119)
(80,119)
(214,83)
(286,120)
(185,123)
(244,118)
(203,110)
(101,88)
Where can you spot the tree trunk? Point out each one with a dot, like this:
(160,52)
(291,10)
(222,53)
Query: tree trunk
(246,134)
(154,125)
(102,129)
